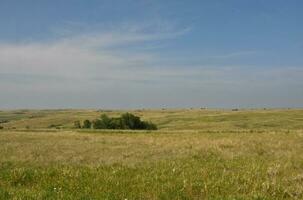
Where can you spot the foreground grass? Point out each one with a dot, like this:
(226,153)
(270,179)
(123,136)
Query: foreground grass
(156,165)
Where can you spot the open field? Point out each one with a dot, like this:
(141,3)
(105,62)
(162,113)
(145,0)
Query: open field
(195,154)
(184,119)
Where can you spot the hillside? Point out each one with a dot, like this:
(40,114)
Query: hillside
(185,119)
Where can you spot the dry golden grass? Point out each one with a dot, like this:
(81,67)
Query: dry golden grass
(183,119)
(129,148)
(196,154)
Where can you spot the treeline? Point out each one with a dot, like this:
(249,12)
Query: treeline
(125,121)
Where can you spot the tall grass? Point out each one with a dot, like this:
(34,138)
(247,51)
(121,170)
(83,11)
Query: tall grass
(155,165)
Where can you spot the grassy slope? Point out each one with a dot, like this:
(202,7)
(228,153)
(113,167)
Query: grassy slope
(166,119)
(196,154)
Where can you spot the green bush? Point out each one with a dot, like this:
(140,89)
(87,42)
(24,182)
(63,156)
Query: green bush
(87,124)
(98,124)
(126,121)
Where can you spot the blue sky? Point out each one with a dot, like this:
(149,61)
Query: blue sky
(151,53)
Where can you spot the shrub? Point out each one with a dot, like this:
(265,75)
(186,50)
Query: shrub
(149,126)
(87,124)
(130,121)
(126,121)
(98,124)
(106,121)
(1,127)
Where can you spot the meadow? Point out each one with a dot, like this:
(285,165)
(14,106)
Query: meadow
(196,154)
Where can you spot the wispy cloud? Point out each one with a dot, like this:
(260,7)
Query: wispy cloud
(84,67)
(235,54)
(81,54)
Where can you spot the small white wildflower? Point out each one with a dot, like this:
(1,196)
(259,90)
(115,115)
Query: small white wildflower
(174,169)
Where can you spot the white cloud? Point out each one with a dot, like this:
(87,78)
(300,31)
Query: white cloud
(235,54)
(98,69)
(81,55)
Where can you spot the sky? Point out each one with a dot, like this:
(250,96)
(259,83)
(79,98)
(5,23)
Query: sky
(131,54)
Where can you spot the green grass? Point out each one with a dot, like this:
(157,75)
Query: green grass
(206,154)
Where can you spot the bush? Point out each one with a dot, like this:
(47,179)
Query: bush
(97,124)
(131,121)
(1,127)
(107,122)
(149,126)
(87,124)
(126,121)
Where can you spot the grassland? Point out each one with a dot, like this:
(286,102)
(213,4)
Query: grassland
(195,154)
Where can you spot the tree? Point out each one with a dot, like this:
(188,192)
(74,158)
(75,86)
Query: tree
(107,122)
(98,124)
(131,121)
(87,124)
(125,121)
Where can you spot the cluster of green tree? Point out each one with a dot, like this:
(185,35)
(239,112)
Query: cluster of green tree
(125,121)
